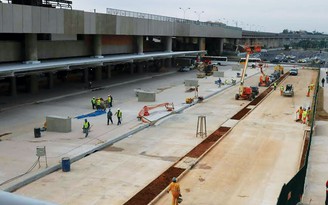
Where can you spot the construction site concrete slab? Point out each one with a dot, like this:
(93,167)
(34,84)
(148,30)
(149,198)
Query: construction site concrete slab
(259,155)
(230,123)
(186,163)
(168,141)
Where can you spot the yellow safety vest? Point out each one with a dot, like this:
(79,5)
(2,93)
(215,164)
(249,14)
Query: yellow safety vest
(119,114)
(86,125)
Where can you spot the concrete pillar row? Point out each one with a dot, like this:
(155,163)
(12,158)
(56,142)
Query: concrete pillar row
(202,44)
(98,73)
(97,46)
(168,46)
(34,83)
(140,44)
(50,80)
(13,86)
(31,48)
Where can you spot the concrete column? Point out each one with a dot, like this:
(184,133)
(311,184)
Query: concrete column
(140,67)
(168,46)
(34,83)
(13,86)
(31,48)
(98,73)
(221,40)
(201,44)
(97,45)
(140,44)
(86,75)
(50,80)
(109,71)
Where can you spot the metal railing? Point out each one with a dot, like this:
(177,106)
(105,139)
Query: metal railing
(118,12)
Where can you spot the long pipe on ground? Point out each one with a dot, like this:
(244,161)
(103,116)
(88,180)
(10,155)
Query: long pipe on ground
(7,198)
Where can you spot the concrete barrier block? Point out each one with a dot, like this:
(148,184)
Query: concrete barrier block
(144,96)
(218,73)
(59,124)
(191,83)
(236,68)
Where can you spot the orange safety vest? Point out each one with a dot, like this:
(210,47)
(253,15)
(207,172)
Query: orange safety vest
(175,189)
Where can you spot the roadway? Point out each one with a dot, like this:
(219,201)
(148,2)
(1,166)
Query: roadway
(256,158)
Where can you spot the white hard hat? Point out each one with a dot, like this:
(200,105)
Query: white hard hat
(118,108)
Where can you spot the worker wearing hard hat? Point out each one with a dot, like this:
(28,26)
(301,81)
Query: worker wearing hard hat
(281,89)
(304,116)
(174,187)
(300,112)
(93,102)
(118,113)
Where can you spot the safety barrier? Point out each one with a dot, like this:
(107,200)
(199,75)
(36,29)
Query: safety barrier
(291,193)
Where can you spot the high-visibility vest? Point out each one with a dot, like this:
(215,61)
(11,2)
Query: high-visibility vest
(93,101)
(86,125)
(119,113)
(109,99)
(98,102)
(304,114)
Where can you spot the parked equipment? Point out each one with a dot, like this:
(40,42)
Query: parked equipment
(145,110)
(246,93)
(264,79)
(289,90)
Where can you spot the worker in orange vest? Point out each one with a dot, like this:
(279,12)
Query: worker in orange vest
(174,187)
(300,112)
(308,92)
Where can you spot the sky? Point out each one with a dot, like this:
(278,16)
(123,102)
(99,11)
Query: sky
(256,15)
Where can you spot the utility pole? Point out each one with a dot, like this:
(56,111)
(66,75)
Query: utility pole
(184,11)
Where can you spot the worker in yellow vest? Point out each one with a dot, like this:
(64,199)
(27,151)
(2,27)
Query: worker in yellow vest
(304,115)
(119,116)
(109,101)
(281,89)
(86,127)
(98,103)
(93,102)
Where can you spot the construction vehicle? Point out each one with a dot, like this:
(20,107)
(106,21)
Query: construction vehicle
(205,69)
(145,111)
(279,68)
(246,93)
(264,79)
(289,90)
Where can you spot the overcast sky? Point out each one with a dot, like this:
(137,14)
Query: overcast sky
(258,15)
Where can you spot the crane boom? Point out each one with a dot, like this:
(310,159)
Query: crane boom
(241,87)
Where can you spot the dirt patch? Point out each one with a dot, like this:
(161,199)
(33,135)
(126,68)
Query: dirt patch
(204,166)
(113,149)
(147,194)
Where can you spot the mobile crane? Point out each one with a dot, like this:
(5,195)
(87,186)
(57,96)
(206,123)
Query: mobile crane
(247,93)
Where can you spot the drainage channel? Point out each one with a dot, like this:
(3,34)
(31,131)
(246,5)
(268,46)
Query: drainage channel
(153,190)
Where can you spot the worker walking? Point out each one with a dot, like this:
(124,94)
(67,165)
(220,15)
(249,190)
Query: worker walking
(281,89)
(274,86)
(93,102)
(300,112)
(119,116)
(308,117)
(109,116)
(174,187)
(98,103)
(308,92)
(109,101)
(86,127)
(323,82)
(304,115)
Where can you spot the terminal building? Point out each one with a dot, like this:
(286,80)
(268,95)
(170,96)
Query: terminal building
(46,42)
